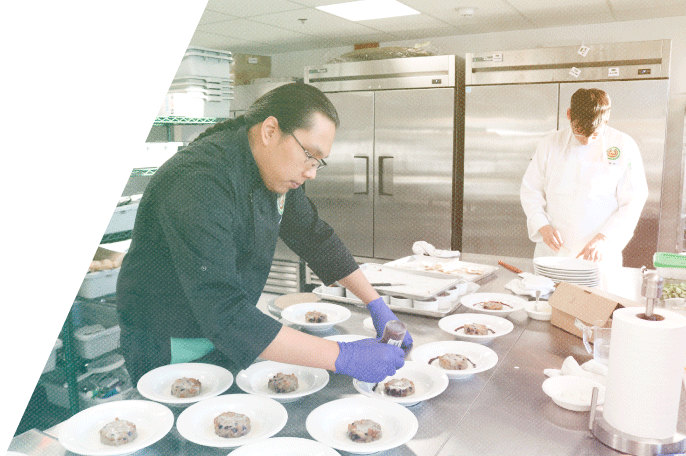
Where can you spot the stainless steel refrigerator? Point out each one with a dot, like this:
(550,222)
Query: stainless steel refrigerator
(391,171)
(515,98)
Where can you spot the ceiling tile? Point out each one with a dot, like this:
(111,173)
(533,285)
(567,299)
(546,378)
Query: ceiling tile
(209,16)
(405,23)
(248,30)
(631,14)
(243,8)
(316,23)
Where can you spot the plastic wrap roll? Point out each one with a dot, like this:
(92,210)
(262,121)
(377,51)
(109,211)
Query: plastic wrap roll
(645,368)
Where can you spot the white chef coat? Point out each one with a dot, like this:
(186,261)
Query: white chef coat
(584,190)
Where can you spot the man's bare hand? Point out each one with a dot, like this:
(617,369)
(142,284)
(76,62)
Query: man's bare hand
(594,249)
(551,237)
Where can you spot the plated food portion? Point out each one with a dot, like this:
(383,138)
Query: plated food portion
(231,420)
(475,327)
(116,428)
(457,359)
(361,425)
(316,316)
(499,304)
(184,383)
(413,383)
(282,382)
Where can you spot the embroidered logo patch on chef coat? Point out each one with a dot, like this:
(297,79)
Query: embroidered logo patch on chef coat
(613,153)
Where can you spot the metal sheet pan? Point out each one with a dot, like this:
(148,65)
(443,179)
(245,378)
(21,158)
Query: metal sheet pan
(424,265)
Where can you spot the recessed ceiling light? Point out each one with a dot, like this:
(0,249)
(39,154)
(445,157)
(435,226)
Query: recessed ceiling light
(363,10)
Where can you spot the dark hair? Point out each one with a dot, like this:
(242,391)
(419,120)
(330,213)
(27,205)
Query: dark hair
(293,105)
(589,109)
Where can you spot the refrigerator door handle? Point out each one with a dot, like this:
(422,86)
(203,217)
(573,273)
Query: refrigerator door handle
(386,175)
(361,175)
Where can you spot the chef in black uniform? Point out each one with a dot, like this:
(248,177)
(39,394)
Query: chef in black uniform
(204,239)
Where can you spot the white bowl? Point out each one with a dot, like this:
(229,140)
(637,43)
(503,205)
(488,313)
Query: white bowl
(573,393)
(401,301)
(483,357)
(156,384)
(329,422)
(335,290)
(428,382)
(425,304)
(296,314)
(474,302)
(545,312)
(80,434)
(196,423)
(500,326)
(255,380)
(285,446)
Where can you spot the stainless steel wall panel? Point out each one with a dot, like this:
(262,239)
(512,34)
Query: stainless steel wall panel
(414,138)
(503,126)
(343,191)
(401,73)
(633,60)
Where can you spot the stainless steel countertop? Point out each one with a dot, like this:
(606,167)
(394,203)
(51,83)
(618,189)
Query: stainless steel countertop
(500,411)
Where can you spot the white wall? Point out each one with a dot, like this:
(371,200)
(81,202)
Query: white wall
(291,65)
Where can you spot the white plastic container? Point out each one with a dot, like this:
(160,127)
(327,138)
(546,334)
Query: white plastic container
(110,370)
(122,219)
(52,359)
(94,340)
(99,283)
(205,62)
(191,104)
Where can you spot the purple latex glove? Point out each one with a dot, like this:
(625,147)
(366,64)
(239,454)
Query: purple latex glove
(368,361)
(381,315)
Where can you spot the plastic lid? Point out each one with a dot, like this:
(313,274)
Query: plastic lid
(669,260)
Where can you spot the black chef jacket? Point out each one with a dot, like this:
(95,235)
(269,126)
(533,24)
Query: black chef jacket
(202,247)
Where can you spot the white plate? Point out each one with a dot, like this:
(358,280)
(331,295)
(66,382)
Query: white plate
(80,434)
(156,384)
(285,446)
(483,357)
(296,314)
(587,275)
(499,325)
(346,337)
(565,264)
(573,393)
(196,423)
(545,314)
(255,379)
(329,422)
(473,300)
(428,382)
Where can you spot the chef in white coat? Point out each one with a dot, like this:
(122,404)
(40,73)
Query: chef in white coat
(585,187)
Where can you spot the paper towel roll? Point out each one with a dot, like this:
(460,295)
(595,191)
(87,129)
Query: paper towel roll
(645,367)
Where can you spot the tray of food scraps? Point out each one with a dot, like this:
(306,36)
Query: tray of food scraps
(444,268)
(405,291)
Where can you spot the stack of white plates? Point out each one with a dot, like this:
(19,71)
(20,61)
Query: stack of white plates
(570,270)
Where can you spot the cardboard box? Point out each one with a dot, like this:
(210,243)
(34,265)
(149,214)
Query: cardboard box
(246,67)
(570,301)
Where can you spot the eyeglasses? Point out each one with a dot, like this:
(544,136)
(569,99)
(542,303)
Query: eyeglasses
(318,163)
